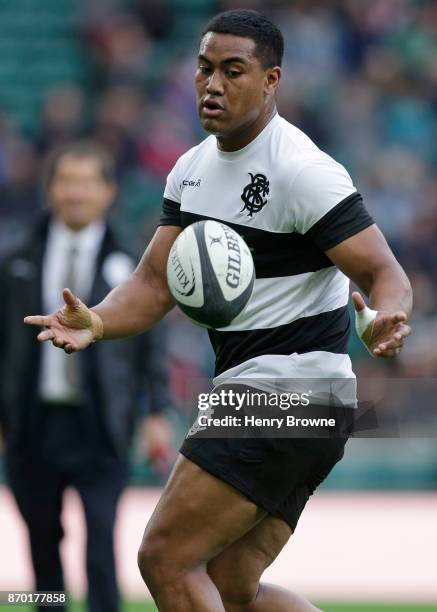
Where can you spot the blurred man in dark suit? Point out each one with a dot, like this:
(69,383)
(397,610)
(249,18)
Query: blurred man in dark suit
(67,420)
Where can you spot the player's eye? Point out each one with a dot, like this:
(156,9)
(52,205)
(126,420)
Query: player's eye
(232,74)
(204,69)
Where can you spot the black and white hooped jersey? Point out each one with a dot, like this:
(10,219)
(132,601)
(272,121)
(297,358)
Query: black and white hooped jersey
(290,202)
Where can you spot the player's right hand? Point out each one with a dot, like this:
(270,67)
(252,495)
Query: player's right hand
(71,328)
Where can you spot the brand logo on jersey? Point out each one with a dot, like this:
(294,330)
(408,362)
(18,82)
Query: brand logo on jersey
(254,194)
(190,183)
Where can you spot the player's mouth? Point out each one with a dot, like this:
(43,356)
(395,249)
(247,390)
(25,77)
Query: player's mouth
(211,108)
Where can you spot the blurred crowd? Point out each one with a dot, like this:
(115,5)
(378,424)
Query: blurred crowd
(360,77)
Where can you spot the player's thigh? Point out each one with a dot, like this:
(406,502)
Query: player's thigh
(197,516)
(237,569)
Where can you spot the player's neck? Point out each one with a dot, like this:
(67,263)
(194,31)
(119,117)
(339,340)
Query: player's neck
(239,140)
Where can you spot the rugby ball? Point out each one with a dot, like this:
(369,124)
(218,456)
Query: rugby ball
(210,273)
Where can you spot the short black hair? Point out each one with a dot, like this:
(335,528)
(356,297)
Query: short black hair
(80,148)
(251,24)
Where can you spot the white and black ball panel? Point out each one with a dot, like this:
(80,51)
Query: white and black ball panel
(184,272)
(230,257)
(221,266)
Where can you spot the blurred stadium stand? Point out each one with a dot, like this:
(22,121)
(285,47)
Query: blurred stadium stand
(360,77)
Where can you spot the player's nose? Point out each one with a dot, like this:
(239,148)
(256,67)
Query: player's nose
(214,84)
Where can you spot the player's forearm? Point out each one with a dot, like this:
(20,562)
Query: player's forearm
(367,260)
(133,307)
(144,298)
(389,289)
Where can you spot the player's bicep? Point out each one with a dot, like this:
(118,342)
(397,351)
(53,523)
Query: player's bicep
(350,238)
(341,221)
(152,268)
(362,256)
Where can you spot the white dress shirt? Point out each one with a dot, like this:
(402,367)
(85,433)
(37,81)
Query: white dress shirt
(53,383)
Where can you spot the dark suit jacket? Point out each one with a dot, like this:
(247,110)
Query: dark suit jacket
(115,373)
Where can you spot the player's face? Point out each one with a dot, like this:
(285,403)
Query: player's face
(78,192)
(235,94)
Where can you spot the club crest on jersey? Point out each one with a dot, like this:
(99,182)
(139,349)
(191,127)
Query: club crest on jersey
(254,194)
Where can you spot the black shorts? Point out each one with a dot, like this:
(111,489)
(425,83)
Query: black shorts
(277,474)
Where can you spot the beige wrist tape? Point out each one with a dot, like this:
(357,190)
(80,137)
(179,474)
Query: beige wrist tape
(364,325)
(97,324)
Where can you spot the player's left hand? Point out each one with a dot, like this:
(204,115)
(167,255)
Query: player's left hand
(385,336)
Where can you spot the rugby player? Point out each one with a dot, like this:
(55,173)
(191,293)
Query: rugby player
(222,519)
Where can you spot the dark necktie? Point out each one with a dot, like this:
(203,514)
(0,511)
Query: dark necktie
(72,366)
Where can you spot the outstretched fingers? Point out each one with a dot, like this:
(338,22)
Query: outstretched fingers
(50,334)
(58,342)
(69,298)
(388,352)
(46,334)
(398,317)
(57,326)
(358,301)
(392,346)
(42,321)
(403,332)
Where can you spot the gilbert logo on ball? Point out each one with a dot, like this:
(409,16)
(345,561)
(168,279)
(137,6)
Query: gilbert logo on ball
(210,273)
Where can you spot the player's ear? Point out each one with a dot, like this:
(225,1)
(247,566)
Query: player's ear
(272,78)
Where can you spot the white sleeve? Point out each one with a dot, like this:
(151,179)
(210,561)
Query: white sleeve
(319,186)
(173,186)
